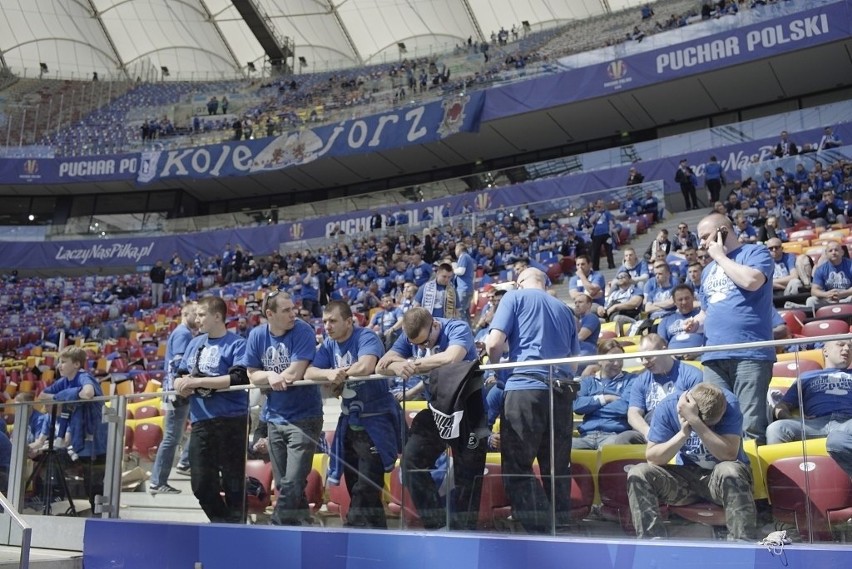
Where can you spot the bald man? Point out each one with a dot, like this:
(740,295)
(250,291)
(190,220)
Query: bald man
(535,326)
(736,308)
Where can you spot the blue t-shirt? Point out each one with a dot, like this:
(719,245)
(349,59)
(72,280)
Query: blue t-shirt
(215,356)
(649,389)
(655,292)
(831,277)
(176,346)
(386,319)
(537,327)
(639,270)
(276,353)
(671,330)
(666,424)
(602,222)
(735,315)
(464,282)
(595,278)
(826,391)
(784,265)
(437,308)
(589,346)
(359,397)
(421,273)
(87,429)
(453,333)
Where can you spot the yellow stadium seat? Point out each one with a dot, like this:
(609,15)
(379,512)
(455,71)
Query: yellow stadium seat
(795,247)
(590,458)
(815,355)
(750,449)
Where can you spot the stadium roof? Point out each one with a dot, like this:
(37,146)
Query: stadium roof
(208,39)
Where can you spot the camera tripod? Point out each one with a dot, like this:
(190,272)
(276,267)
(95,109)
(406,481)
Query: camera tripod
(51,465)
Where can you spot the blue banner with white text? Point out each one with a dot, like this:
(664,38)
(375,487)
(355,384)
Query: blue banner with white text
(808,28)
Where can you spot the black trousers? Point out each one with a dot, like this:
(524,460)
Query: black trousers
(525,428)
(604,241)
(217,456)
(423,448)
(365,478)
(689,196)
(715,189)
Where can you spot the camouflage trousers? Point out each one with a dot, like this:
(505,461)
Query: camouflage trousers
(729,485)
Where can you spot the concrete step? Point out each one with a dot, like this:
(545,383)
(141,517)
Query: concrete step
(41,558)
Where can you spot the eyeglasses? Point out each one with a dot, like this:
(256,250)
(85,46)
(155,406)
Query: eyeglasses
(425,343)
(702,257)
(266,299)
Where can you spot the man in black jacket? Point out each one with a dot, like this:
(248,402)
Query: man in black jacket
(158,280)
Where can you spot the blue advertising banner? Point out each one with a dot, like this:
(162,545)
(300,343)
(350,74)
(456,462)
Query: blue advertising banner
(804,29)
(395,129)
(264,240)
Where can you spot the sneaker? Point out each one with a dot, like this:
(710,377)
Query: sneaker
(182,469)
(163,489)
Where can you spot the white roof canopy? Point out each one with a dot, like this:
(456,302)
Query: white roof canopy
(208,39)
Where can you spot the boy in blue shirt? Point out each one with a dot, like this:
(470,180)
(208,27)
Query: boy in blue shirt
(217,448)
(86,429)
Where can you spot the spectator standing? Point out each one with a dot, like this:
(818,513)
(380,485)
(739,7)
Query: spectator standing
(157,275)
(217,447)
(714,179)
(367,439)
(737,281)
(175,409)
(439,346)
(277,355)
(603,225)
(685,177)
(537,413)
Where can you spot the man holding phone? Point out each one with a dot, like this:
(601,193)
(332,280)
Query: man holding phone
(736,308)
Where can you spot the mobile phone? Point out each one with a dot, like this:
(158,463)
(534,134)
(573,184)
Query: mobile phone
(723,231)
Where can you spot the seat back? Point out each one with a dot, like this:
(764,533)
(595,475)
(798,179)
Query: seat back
(146,439)
(810,489)
(824,328)
(793,368)
(261,471)
(842,309)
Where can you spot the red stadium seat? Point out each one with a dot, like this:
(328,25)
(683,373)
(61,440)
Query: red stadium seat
(843,309)
(146,412)
(616,461)
(795,319)
(816,328)
(262,472)
(314,491)
(128,439)
(793,369)
(338,499)
(812,493)
(146,440)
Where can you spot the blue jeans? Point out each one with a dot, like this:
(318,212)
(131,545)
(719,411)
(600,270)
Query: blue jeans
(174,425)
(291,448)
(463,305)
(837,428)
(749,381)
